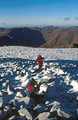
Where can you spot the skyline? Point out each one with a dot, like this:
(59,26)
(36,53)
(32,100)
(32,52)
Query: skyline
(38,12)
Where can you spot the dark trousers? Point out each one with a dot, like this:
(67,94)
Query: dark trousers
(40,67)
(36,97)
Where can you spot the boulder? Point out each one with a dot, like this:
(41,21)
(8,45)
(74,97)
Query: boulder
(6,100)
(16,104)
(1,101)
(27,102)
(21,118)
(24,112)
(43,116)
(63,114)
(12,118)
(40,108)
(3,114)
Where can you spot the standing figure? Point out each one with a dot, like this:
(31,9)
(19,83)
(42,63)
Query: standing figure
(39,60)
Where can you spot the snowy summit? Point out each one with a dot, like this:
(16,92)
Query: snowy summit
(58,82)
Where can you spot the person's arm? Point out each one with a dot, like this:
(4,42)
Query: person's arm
(36,60)
(42,58)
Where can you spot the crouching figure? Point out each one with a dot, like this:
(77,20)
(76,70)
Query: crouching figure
(31,89)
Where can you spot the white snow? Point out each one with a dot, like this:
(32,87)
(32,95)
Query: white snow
(58,81)
(75,85)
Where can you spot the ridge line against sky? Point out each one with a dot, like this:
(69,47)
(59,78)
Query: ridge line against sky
(38,12)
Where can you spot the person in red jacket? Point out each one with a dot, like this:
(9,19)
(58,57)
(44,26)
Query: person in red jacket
(39,60)
(31,89)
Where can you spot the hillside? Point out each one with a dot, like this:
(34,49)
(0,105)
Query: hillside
(60,37)
(47,37)
(21,37)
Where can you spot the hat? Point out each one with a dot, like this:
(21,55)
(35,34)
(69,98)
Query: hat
(39,55)
(32,80)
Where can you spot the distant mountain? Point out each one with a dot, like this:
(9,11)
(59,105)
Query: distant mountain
(22,37)
(60,37)
(47,37)
(1,29)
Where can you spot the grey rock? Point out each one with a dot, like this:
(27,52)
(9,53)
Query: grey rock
(13,118)
(3,114)
(63,114)
(6,99)
(27,102)
(22,118)
(44,116)
(16,104)
(1,101)
(53,118)
(7,107)
(24,112)
(3,93)
(40,108)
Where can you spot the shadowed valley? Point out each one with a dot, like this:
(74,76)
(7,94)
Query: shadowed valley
(46,37)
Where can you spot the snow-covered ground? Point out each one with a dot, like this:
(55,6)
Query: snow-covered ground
(58,81)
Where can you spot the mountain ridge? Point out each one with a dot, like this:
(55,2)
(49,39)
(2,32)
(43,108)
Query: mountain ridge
(46,37)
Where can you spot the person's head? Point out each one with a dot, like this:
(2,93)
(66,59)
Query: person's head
(32,81)
(39,56)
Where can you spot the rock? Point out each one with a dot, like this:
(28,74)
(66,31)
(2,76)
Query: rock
(63,114)
(16,104)
(24,112)
(11,90)
(40,108)
(6,99)
(7,107)
(27,102)
(19,94)
(22,118)
(1,94)
(43,116)
(13,118)
(3,114)
(4,93)
(23,94)
(53,118)
(77,98)
(54,112)
(1,101)
(43,87)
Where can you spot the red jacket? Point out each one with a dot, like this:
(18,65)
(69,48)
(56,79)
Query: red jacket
(39,60)
(29,89)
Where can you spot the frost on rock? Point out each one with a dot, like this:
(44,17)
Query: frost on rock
(43,116)
(75,86)
(24,112)
(58,82)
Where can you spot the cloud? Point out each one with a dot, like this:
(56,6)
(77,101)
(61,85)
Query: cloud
(67,18)
(4,24)
(76,18)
